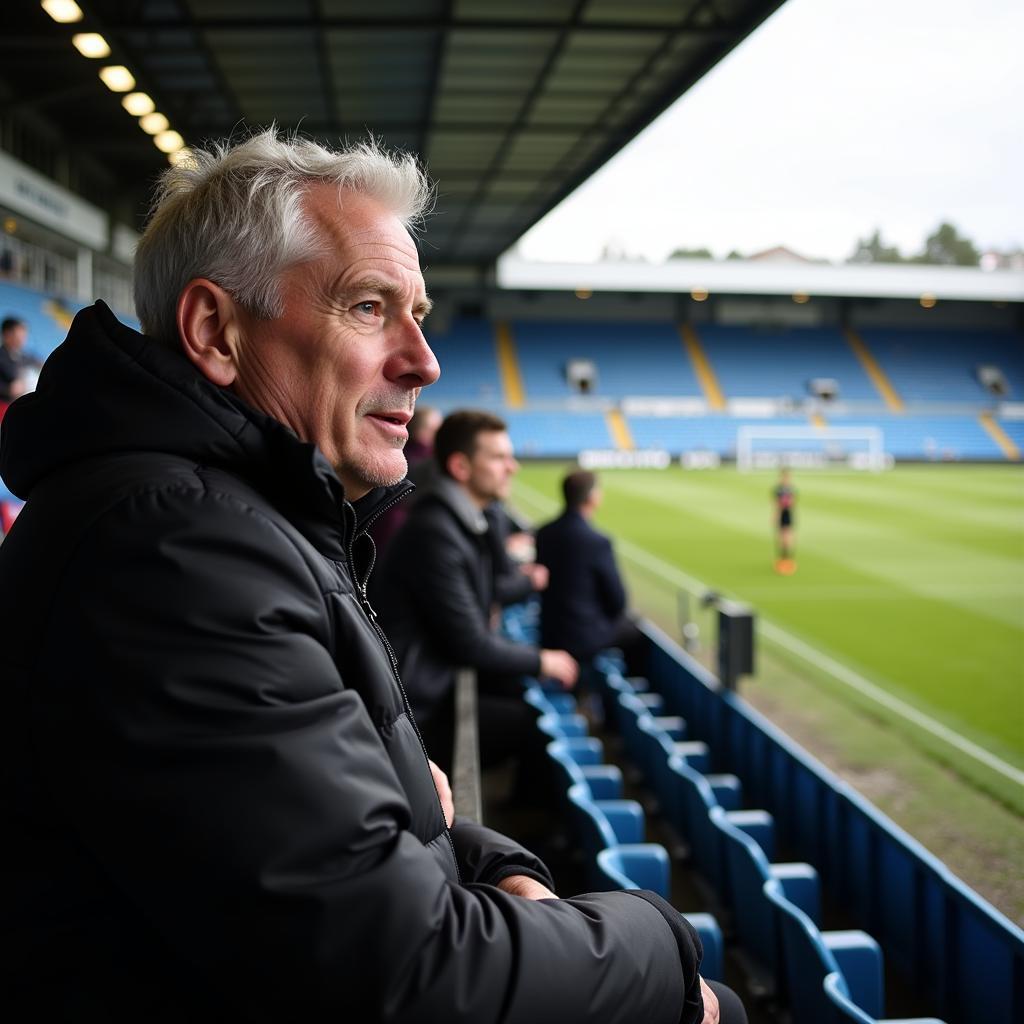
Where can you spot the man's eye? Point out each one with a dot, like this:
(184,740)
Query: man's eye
(369,308)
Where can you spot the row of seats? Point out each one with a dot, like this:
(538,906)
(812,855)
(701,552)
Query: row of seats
(607,830)
(773,909)
(649,359)
(959,956)
(930,438)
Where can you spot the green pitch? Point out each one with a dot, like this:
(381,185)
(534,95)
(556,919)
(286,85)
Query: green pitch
(912,578)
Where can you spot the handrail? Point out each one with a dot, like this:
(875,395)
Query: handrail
(466,761)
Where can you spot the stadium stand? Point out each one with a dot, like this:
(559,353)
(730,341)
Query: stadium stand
(631,359)
(933,438)
(940,365)
(540,434)
(469,375)
(933,373)
(780,362)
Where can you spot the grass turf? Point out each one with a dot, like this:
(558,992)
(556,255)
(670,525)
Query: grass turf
(912,578)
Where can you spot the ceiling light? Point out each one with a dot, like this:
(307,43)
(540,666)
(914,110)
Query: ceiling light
(91,44)
(801,297)
(138,103)
(154,124)
(699,294)
(169,142)
(63,11)
(928,300)
(583,293)
(117,78)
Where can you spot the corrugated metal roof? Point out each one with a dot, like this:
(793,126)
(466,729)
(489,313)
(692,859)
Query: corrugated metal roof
(511,103)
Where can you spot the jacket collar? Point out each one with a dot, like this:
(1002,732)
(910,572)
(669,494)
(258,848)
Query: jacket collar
(449,493)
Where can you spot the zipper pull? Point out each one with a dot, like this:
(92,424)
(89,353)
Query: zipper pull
(367,607)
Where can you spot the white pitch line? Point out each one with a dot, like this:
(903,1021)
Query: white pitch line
(794,644)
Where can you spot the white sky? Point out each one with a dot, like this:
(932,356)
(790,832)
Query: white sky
(835,117)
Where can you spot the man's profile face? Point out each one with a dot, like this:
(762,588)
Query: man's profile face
(344,363)
(492,466)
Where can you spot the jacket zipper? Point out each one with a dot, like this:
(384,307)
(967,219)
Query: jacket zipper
(371,617)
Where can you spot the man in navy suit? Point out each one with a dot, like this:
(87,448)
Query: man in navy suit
(583,609)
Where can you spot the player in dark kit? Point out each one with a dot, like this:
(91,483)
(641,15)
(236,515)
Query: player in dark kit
(784,497)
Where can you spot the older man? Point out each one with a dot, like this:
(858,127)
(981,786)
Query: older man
(217,803)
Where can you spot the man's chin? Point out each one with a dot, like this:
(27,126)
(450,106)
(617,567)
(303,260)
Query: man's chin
(382,472)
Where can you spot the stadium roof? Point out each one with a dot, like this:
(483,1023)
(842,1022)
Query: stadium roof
(513,103)
(743,277)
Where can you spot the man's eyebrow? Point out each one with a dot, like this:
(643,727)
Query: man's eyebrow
(386,289)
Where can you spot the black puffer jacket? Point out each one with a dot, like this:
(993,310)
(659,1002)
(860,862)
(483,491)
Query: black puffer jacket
(216,805)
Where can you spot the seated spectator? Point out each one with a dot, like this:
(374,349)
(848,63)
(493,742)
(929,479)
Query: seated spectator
(436,590)
(17,368)
(583,608)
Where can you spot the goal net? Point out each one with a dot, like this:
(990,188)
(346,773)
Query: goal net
(767,447)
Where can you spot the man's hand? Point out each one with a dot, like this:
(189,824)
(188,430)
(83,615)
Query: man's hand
(528,889)
(444,793)
(711,1011)
(538,575)
(559,665)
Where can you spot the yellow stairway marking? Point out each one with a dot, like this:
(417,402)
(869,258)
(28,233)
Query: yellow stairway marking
(892,400)
(1001,438)
(702,368)
(817,420)
(619,430)
(59,313)
(508,365)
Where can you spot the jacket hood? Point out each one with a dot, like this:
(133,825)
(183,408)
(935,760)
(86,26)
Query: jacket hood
(108,389)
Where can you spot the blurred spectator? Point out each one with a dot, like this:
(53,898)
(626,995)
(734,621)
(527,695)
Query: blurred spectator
(436,591)
(584,606)
(517,574)
(418,457)
(17,369)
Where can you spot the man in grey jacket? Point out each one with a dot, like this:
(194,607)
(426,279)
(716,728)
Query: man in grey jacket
(218,805)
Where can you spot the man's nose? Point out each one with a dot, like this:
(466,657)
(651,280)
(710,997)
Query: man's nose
(413,362)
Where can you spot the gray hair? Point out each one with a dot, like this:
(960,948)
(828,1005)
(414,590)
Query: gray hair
(233,214)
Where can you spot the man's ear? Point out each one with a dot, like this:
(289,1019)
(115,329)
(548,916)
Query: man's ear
(209,328)
(459,467)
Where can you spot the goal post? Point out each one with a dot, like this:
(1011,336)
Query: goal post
(769,447)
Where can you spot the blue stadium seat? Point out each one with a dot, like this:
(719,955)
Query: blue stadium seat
(809,955)
(746,870)
(846,1011)
(603,780)
(623,869)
